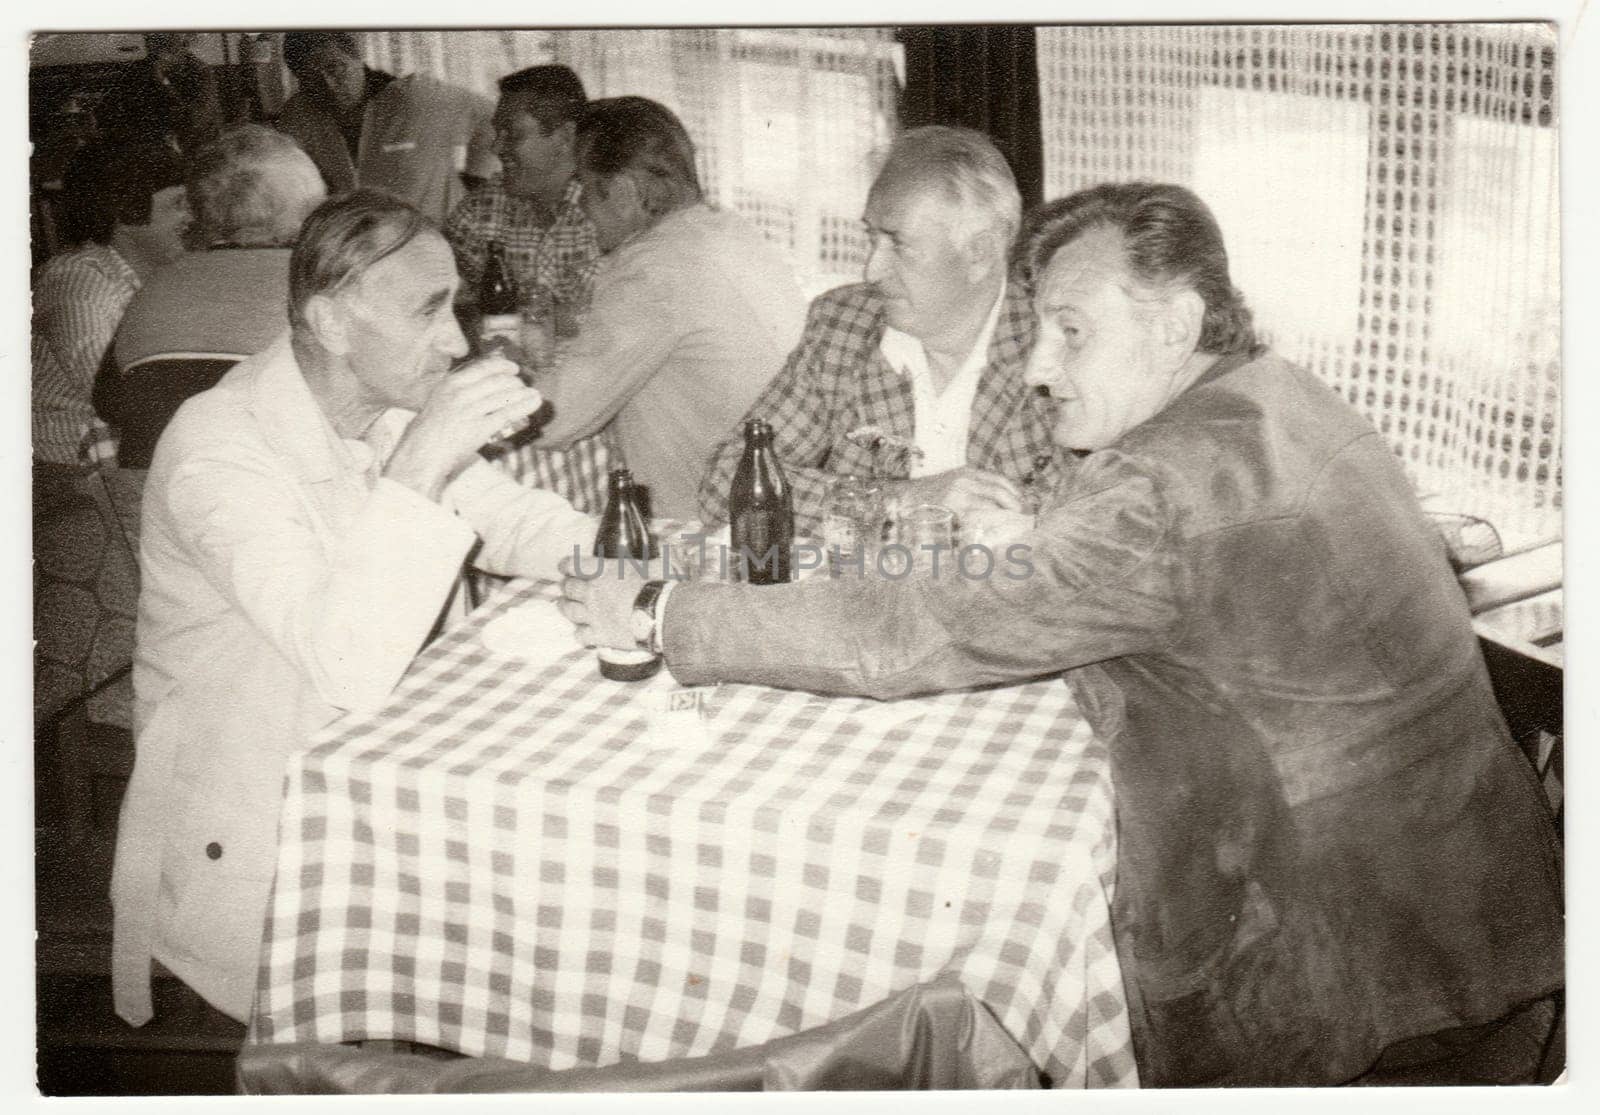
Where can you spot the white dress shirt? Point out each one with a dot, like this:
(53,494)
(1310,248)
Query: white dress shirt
(941,417)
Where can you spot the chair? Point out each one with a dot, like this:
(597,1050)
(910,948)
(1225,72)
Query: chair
(86,591)
(141,400)
(931,1035)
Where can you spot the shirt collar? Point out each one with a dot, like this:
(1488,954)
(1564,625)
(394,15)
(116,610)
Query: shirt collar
(906,355)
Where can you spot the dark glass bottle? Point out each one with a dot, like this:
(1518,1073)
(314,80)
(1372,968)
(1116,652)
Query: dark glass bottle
(761,512)
(624,534)
(499,305)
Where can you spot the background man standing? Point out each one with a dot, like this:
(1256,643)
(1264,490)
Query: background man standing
(413,136)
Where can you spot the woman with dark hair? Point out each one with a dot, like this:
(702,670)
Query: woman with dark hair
(133,209)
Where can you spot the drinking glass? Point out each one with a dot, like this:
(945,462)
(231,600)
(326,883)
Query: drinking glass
(852,521)
(921,529)
(538,333)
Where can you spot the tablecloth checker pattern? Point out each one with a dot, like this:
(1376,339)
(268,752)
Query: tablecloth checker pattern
(508,861)
(577,473)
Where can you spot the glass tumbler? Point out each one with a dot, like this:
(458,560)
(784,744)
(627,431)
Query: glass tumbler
(852,523)
(928,532)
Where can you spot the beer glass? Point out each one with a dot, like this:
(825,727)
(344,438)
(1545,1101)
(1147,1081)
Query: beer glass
(852,523)
(538,333)
(929,533)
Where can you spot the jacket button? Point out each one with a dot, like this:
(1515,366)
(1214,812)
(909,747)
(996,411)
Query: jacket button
(214,850)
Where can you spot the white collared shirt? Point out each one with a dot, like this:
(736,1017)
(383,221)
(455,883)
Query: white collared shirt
(941,418)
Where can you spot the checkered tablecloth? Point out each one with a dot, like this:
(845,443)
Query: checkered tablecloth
(530,862)
(577,473)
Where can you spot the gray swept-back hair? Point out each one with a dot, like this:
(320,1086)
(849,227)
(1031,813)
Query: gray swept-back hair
(966,166)
(253,185)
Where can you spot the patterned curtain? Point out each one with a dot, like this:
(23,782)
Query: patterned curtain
(787,123)
(1390,201)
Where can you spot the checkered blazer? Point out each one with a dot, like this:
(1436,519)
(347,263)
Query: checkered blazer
(838,381)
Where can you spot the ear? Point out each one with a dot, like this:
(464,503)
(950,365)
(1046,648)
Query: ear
(567,135)
(1182,321)
(626,190)
(328,326)
(983,249)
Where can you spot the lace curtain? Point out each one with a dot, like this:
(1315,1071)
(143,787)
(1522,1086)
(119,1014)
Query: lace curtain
(786,122)
(1390,202)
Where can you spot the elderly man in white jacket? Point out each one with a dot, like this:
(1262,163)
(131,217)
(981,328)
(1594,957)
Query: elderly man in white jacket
(305,522)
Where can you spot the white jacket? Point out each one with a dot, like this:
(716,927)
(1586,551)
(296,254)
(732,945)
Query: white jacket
(283,582)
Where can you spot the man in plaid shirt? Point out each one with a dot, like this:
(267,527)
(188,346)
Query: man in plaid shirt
(532,210)
(915,376)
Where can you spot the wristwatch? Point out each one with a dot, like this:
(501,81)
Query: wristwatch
(643,620)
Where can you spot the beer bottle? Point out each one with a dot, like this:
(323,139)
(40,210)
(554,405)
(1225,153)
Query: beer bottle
(499,306)
(623,534)
(761,511)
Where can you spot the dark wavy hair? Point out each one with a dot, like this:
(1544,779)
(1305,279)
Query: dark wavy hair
(343,239)
(298,46)
(554,94)
(621,134)
(115,182)
(1169,239)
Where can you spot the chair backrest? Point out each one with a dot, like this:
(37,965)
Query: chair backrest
(148,394)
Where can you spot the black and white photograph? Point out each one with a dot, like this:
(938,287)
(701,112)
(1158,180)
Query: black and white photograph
(965,554)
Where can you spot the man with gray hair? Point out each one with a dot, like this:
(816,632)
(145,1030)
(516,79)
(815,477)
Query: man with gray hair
(915,375)
(305,522)
(250,190)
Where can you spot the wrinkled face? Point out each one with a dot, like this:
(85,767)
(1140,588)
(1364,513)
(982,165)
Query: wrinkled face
(400,325)
(344,77)
(918,258)
(1097,352)
(613,206)
(162,239)
(534,162)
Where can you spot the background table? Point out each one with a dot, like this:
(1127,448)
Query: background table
(528,861)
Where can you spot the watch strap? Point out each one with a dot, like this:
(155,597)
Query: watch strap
(646,601)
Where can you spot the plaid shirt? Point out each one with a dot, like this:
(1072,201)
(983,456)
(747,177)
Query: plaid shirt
(555,256)
(837,381)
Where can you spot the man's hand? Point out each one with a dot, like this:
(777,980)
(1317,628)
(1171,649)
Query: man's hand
(962,490)
(601,606)
(468,408)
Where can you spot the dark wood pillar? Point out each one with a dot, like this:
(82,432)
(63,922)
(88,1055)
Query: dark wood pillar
(985,78)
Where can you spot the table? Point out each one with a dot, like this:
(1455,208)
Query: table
(577,473)
(526,861)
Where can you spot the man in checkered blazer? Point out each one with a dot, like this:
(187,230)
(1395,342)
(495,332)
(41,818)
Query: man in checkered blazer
(915,376)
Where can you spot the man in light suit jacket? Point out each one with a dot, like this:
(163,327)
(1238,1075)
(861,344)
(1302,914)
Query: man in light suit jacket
(305,522)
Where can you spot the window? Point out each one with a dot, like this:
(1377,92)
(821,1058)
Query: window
(786,122)
(1389,197)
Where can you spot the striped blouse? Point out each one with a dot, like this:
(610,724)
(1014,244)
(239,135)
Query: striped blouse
(78,299)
